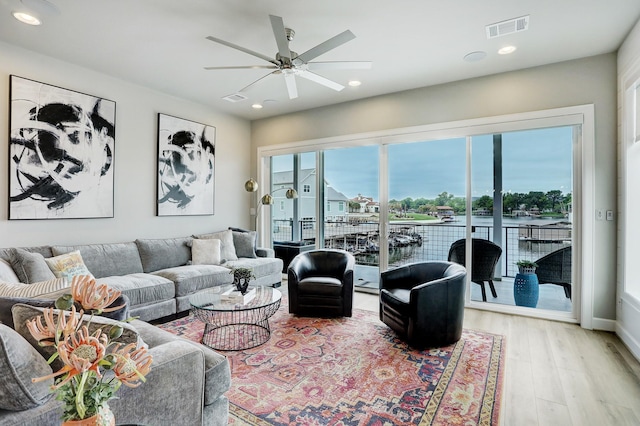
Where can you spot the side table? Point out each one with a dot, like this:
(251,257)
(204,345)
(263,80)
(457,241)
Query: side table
(526,290)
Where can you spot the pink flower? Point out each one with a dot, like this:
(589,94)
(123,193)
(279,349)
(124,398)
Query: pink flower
(92,296)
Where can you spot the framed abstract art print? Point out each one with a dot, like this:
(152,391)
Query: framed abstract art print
(186,166)
(61,152)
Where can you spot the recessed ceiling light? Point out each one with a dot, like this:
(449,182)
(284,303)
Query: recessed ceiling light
(256,106)
(25,18)
(475,56)
(355,83)
(506,50)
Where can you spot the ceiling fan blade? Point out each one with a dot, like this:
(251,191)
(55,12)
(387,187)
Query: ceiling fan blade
(247,67)
(341,65)
(292,88)
(281,37)
(321,80)
(243,49)
(324,47)
(254,82)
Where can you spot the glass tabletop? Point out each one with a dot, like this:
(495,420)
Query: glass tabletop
(211,299)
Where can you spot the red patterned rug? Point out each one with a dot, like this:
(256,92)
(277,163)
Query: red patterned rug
(355,371)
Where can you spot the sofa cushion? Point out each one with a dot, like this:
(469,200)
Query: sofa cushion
(245,243)
(141,289)
(30,267)
(68,265)
(163,253)
(7,274)
(206,252)
(19,363)
(261,266)
(226,241)
(105,260)
(189,279)
(23,313)
(33,290)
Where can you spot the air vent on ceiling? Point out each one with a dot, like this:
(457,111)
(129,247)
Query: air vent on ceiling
(236,97)
(510,26)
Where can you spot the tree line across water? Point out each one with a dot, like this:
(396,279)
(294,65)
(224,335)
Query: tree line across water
(553,202)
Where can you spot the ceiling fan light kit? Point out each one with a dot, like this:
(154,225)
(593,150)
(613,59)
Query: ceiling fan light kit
(289,64)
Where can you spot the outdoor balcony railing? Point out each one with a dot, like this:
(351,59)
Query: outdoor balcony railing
(413,242)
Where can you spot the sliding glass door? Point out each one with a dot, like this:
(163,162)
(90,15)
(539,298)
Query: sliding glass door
(427,199)
(395,202)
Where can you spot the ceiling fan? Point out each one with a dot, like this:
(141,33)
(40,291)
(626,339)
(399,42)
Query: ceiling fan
(290,64)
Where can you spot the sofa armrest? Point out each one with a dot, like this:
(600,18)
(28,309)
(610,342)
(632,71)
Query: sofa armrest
(217,369)
(265,252)
(173,393)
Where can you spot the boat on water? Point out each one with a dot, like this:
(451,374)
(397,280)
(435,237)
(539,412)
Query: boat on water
(445,214)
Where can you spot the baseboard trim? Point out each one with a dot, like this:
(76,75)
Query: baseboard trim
(604,324)
(632,344)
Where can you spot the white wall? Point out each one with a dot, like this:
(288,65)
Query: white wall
(585,81)
(628,313)
(135,159)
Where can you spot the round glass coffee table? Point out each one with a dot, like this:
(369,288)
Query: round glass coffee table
(236,326)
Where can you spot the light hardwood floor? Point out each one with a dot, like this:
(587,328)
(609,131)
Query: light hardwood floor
(557,374)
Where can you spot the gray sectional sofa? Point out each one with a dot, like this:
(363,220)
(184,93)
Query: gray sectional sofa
(188,381)
(156,274)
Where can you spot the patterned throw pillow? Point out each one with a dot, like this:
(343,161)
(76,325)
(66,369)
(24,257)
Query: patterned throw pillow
(206,252)
(68,265)
(33,290)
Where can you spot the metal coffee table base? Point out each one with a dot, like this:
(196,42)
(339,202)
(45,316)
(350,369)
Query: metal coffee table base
(236,330)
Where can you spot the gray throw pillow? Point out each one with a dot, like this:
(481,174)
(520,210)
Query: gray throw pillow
(245,243)
(19,363)
(30,267)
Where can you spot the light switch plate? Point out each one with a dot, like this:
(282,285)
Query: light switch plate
(599,214)
(609,214)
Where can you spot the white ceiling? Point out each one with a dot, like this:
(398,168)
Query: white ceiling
(412,43)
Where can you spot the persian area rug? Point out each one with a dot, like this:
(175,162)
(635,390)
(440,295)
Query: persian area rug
(355,371)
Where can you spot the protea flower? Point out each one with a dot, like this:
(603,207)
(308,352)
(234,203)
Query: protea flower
(92,296)
(80,352)
(131,364)
(46,333)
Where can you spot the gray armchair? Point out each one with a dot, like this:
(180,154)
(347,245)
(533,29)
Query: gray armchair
(320,283)
(424,302)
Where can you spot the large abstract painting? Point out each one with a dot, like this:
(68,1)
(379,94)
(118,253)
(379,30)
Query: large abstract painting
(186,154)
(61,153)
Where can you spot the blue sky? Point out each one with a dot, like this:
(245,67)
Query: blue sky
(533,160)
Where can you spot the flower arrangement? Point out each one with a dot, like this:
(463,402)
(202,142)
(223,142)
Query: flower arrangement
(82,384)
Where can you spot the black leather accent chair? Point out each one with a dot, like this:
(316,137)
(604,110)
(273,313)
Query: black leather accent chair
(424,302)
(320,283)
(485,255)
(555,268)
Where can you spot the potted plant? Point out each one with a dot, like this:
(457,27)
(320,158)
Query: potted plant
(81,384)
(526,266)
(241,278)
